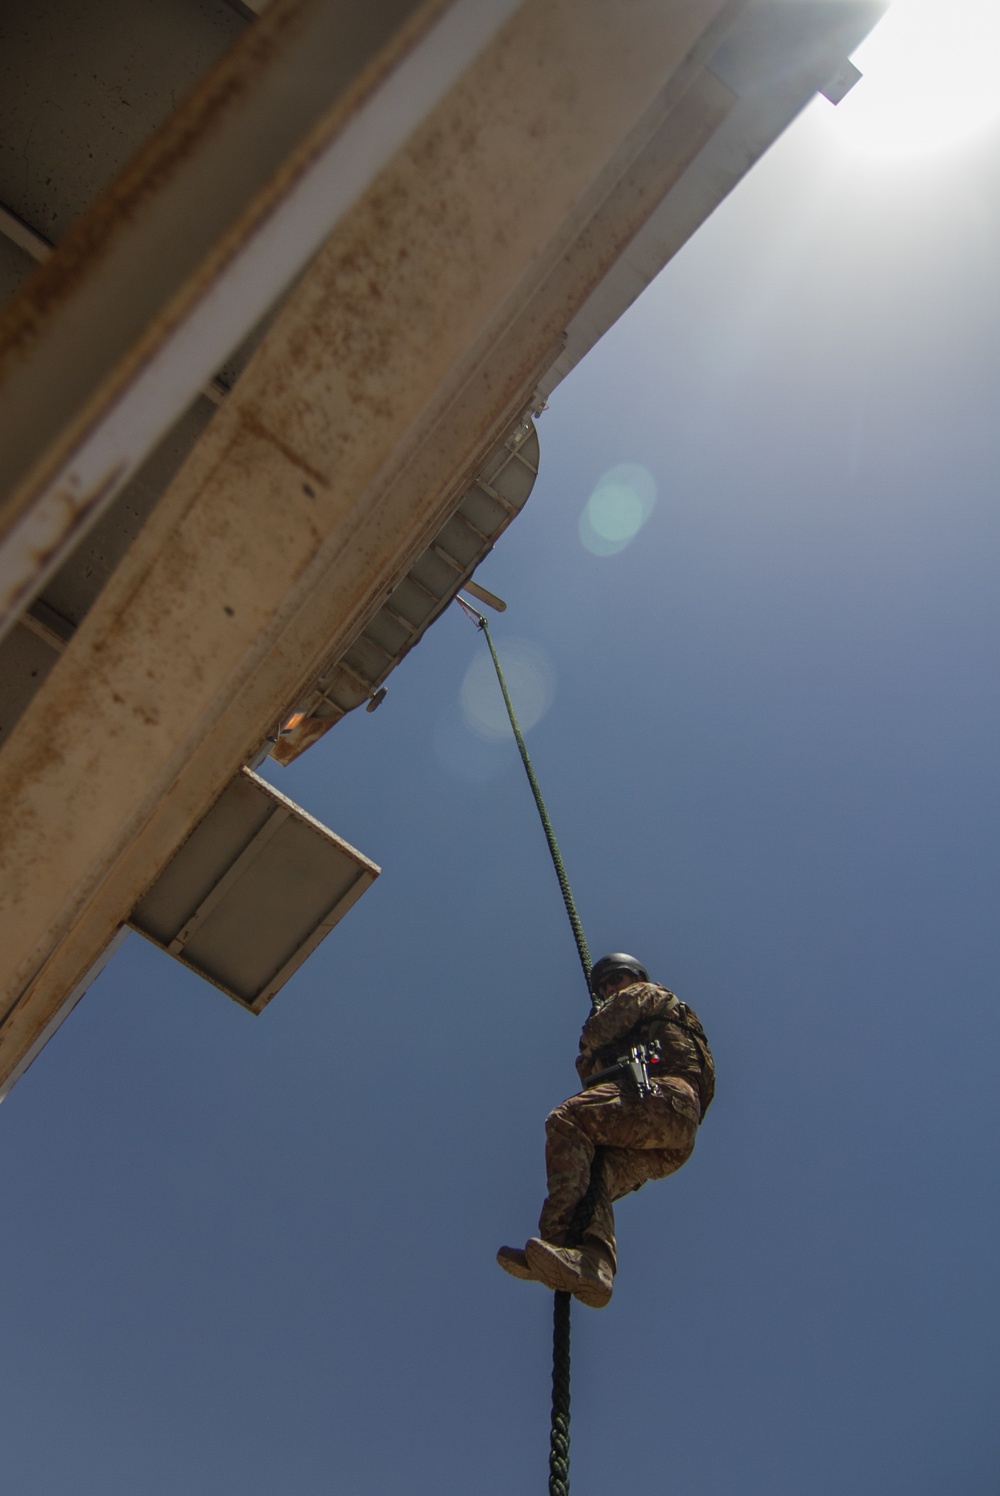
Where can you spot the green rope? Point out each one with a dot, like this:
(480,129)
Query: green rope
(550,836)
(559,1432)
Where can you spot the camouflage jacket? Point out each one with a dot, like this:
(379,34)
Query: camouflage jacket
(626,1018)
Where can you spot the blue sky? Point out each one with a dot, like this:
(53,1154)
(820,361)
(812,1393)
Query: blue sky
(256,1255)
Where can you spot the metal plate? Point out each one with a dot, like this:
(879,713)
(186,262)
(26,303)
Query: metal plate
(252,891)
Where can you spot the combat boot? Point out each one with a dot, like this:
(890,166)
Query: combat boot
(586,1272)
(514,1261)
(599,1275)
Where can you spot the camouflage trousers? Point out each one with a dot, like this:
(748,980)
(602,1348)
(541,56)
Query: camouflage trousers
(641,1138)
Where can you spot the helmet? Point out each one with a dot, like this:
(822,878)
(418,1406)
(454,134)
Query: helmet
(617,961)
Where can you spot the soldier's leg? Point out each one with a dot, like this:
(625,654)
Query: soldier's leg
(642,1139)
(625,1170)
(572,1132)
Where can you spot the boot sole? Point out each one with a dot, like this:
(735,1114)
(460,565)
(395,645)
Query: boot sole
(594,1298)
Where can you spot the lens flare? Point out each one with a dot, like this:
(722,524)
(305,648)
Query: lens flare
(617,509)
(530,681)
(929,79)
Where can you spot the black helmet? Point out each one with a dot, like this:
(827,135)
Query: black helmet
(617,961)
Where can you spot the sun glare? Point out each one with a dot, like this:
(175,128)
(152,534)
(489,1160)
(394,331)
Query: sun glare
(930,78)
(617,509)
(530,680)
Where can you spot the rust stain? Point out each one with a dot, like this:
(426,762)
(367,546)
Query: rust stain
(296,738)
(233,78)
(76,510)
(256,427)
(125,199)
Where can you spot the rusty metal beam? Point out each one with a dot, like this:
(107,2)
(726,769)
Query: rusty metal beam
(414,340)
(40,249)
(112,338)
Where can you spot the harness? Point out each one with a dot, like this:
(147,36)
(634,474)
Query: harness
(635,1059)
(634,1066)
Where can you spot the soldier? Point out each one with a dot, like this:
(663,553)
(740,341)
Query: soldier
(645,1128)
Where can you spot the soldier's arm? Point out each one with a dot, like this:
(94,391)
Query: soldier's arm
(637,1004)
(692,1023)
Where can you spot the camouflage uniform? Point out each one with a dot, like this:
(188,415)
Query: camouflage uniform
(641,1137)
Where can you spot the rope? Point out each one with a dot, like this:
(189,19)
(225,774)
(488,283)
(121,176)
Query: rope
(559,1431)
(559,1428)
(550,836)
